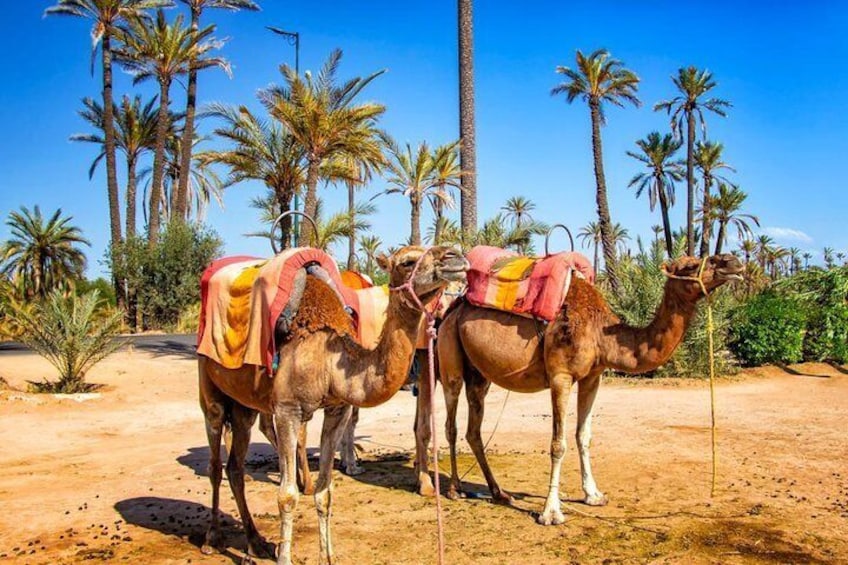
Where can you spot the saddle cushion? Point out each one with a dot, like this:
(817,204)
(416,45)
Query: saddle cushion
(528,286)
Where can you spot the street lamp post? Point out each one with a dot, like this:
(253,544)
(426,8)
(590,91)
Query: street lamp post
(292,38)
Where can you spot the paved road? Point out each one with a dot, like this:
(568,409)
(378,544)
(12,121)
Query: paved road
(164,344)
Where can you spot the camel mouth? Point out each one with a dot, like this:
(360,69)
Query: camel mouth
(454,269)
(731,273)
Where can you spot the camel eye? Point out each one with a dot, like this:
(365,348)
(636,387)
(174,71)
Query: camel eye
(408,263)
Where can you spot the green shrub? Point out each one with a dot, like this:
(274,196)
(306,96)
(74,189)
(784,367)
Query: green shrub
(71,334)
(769,328)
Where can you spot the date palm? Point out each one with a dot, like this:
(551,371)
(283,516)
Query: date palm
(659,178)
(467,134)
(600,79)
(590,234)
(794,260)
(748,247)
(411,174)
(447,174)
(161,51)
(322,116)
(370,245)
(725,208)
(828,258)
(518,208)
(204,183)
(42,254)
(807,256)
(135,134)
(708,160)
(196,7)
(689,106)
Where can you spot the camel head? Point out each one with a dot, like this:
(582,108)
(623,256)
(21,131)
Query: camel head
(717,270)
(437,266)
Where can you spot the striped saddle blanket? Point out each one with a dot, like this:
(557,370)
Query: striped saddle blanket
(528,286)
(245,301)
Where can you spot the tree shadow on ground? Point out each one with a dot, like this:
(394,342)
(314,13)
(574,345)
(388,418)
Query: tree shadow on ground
(167,348)
(182,519)
(797,373)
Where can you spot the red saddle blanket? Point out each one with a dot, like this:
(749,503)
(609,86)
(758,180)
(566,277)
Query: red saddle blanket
(529,286)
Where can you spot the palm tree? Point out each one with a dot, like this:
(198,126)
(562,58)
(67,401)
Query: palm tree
(828,258)
(322,117)
(657,229)
(794,260)
(196,7)
(708,160)
(107,16)
(692,84)
(764,243)
(807,257)
(370,245)
(259,150)
(660,176)
(599,78)
(518,208)
(467,135)
(163,51)
(135,135)
(841,256)
(725,208)
(748,247)
(591,235)
(447,174)
(42,256)
(411,174)
(620,235)
(204,184)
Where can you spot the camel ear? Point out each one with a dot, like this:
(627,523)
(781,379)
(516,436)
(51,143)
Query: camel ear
(384,262)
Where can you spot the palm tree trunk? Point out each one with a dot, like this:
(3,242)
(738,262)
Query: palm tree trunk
(131,195)
(310,204)
(284,198)
(437,231)
(669,243)
(351,238)
(468,145)
(111,161)
(706,221)
(719,237)
(188,131)
(690,184)
(604,220)
(158,164)
(595,264)
(415,221)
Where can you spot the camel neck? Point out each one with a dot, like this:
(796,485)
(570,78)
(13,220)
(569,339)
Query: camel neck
(637,350)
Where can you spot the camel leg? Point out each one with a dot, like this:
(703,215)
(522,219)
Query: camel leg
(476,390)
(587,390)
(422,430)
(560,389)
(287,420)
(335,419)
(350,463)
(451,368)
(304,477)
(266,426)
(214,406)
(243,419)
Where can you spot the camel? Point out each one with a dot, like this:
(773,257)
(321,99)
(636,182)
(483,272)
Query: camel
(320,366)
(480,346)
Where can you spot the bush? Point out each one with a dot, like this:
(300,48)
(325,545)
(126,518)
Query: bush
(769,328)
(189,320)
(70,334)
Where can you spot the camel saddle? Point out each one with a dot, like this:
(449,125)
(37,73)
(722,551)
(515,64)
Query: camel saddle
(248,303)
(528,286)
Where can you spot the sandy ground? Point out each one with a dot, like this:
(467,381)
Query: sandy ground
(120,476)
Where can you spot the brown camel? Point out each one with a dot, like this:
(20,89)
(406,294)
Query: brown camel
(320,366)
(481,346)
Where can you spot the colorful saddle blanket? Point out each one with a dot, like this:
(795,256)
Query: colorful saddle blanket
(529,286)
(242,299)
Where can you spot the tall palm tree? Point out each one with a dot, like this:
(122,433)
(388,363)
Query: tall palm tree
(322,117)
(597,79)
(692,85)
(660,176)
(467,135)
(764,243)
(258,150)
(725,207)
(708,160)
(370,245)
(196,8)
(657,229)
(794,260)
(841,256)
(828,258)
(518,208)
(590,234)
(411,174)
(40,255)
(807,257)
(620,235)
(748,247)
(164,51)
(135,135)
(447,174)
(107,16)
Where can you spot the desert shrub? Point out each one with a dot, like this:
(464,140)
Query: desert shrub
(768,328)
(189,319)
(71,334)
(164,281)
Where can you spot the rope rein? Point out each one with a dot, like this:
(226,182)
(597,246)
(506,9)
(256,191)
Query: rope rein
(431,338)
(700,280)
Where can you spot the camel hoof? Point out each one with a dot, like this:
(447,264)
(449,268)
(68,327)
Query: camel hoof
(207,549)
(502,498)
(353,470)
(453,494)
(551,518)
(597,499)
(425,485)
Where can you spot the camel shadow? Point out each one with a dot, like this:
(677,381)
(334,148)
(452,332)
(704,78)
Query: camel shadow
(181,519)
(260,464)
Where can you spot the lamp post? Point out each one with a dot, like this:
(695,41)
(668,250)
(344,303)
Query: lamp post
(292,38)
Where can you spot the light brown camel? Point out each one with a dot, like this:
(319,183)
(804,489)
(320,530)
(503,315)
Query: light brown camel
(481,346)
(320,366)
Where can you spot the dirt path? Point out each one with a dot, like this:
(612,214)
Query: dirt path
(116,479)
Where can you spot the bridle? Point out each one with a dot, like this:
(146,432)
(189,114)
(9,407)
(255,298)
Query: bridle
(407,286)
(699,278)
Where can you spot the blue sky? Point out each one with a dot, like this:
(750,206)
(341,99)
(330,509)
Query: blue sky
(782,68)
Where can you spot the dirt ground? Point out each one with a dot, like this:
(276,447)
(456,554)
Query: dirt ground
(121,475)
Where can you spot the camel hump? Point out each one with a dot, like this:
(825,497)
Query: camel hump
(320,309)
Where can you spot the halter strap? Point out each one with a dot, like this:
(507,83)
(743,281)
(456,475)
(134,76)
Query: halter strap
(698,279)
(407,286)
